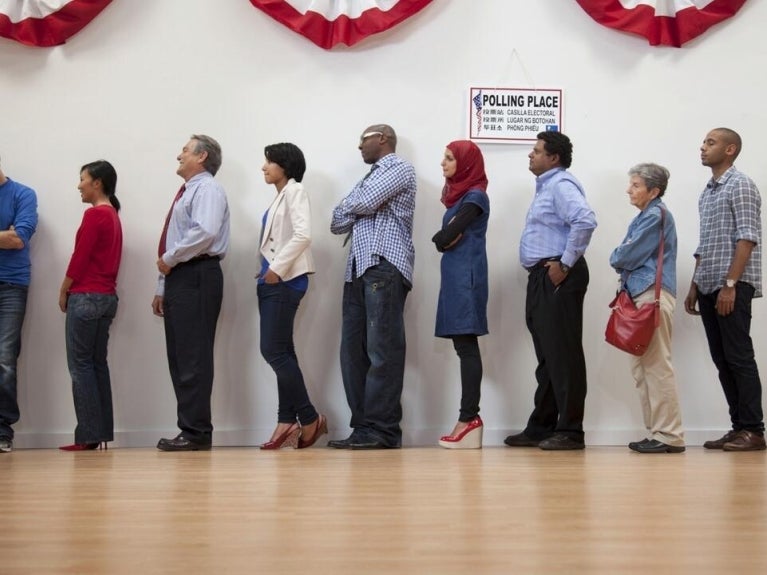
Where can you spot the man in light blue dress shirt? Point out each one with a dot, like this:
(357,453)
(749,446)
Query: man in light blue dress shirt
(557,232)
(190,288)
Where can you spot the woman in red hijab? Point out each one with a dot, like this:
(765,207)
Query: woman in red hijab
(462,305)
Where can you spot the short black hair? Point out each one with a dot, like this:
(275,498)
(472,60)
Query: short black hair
(559,144)
(289,157)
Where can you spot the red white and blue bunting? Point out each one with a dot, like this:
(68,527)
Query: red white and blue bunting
(662,22)
(46,22)
(331,22)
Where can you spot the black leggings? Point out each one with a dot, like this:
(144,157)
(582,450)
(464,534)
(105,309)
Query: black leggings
(467,348)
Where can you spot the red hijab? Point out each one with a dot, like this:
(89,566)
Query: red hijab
(469,172)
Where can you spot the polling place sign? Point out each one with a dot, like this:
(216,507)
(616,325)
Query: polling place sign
(513,115)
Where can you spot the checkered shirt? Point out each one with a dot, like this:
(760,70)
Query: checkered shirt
(730,210)
(379,214)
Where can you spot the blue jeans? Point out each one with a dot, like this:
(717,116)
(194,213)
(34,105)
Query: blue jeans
(277,305)
(13,304)
(373,352)
(89,316)
(729,341)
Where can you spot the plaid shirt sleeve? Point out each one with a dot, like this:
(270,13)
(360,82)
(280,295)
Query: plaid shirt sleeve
(746,208)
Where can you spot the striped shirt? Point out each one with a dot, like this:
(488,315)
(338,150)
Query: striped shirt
(379,212)
(730,210)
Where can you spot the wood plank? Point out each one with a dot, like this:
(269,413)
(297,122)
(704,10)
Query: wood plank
(417,510)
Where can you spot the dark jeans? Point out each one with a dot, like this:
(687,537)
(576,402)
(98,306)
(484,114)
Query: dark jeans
(554,318)
(373,352)
(89,316)
(277,306)
(192,302)
(467,348)
(729,341)
(13,305)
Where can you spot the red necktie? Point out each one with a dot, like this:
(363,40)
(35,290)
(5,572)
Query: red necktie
(161,246)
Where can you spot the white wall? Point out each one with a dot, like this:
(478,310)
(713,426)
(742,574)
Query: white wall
(134,84)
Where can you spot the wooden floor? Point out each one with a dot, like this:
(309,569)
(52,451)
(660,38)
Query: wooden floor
(409,511)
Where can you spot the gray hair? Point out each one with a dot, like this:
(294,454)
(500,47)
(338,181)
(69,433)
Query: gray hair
(209,145)
(653,175)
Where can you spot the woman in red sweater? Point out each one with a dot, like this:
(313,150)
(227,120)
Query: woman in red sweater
(88,297)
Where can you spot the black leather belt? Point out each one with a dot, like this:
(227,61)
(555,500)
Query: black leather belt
(542,263)
(202,257)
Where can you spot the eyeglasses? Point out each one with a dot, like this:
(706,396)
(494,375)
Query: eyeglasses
(367,135)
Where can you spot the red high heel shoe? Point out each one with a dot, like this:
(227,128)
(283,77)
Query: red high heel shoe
(81,446)
(321,429)
(469,438)
(288,439)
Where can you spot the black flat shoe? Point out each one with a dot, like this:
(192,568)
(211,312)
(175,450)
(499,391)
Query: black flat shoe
(655,446)
(633,444)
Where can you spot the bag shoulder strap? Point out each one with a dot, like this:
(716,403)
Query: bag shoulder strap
(659,267)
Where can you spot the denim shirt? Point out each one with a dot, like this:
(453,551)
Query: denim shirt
(637,256)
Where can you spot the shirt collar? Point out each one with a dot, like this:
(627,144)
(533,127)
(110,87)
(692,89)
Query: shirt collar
(714,183)
(546,176)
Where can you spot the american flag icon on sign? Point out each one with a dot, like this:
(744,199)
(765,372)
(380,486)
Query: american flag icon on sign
(478,105)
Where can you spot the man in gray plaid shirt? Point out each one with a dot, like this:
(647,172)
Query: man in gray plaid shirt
(728,275)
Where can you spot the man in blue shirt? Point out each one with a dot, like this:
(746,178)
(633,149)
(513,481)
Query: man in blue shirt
(378,216)
(18,221)
(190,288)
(557,232)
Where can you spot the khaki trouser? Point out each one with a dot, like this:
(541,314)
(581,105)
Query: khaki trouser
(654,377)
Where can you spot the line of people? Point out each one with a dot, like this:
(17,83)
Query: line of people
(376,218)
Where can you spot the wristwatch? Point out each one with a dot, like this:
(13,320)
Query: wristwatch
(730,283)
(564,267)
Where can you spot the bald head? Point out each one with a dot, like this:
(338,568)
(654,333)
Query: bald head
(388,132)
(731,138)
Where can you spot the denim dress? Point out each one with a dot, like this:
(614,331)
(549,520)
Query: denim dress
(462,304)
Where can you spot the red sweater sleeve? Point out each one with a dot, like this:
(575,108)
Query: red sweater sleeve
(85,242)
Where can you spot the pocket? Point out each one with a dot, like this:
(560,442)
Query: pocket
(83,306)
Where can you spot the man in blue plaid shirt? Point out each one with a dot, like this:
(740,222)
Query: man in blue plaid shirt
(377,215)
(728,275)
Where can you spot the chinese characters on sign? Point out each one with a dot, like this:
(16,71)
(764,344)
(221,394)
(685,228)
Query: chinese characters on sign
(513,115)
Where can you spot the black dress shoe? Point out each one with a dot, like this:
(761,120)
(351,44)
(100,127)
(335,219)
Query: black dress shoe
(521,440)
(370,443)
(181,443)
(655,446)
(561,442)
(340,443)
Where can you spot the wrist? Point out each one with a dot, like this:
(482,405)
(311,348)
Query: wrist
(730,283)
(564,268)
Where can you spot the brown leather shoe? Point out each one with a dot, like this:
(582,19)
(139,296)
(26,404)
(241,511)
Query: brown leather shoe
(719,443)
(746,441)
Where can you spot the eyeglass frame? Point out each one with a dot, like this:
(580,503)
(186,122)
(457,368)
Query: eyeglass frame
(367,135)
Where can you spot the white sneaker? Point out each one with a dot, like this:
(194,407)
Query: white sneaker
(6,445)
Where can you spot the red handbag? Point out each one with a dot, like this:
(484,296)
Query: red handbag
(630,328)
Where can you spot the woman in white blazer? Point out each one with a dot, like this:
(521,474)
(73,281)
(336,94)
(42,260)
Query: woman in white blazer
(286,262)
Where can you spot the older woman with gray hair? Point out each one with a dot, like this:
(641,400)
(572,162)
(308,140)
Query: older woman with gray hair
(636,260)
